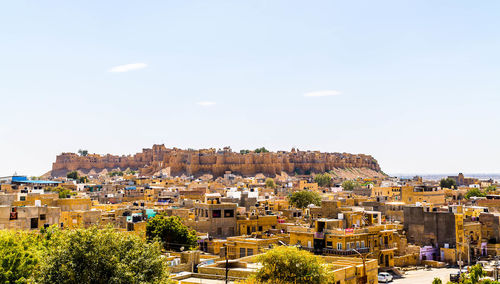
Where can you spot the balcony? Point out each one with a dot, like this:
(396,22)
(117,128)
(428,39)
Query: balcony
(388,246)
(332,251)
(319,235)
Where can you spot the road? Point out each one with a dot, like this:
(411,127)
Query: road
(426,276)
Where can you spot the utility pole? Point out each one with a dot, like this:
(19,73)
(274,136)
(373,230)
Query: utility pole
(227,263)
(496,268)
(364,279)
(468,251)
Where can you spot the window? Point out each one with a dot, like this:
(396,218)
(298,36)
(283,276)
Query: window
(329,244)
(249,252)
(362,244)
(339,246)
(34,223)
(22,198)
(228,213)
(216,213)
(242,252)
(130,227)
(260,228)
(42,217)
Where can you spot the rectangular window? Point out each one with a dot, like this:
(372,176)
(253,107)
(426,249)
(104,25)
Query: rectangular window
(249,252)
(339,246)
(329,244)
(42,217)
(216,214)
(260,228)
(34,223)
(242,252)
(362,244)
(228,213)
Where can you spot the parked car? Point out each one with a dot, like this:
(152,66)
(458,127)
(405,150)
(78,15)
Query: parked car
(384,277)
(454,277)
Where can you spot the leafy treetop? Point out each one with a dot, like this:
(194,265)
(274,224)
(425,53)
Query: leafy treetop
(474,192)
(171,232)
(270,183)
(323,180)
(301,199)
(100,256)
(83,153)
(291,265)
(261,150)
(349,185)
(448,183)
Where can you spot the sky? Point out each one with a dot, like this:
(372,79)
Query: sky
(413,83)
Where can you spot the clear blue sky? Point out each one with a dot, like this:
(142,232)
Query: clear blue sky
(413,83)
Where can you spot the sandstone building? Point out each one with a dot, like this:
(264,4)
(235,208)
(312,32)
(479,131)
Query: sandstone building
(215,162)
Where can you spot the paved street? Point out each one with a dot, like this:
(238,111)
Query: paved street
(426,276)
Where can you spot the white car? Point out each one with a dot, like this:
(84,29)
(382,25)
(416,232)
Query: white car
(384,277)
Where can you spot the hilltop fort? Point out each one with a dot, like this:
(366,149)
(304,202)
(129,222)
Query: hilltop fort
(217,162)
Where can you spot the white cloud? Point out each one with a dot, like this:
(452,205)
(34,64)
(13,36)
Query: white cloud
(324,93)
(128,67)
(206,104)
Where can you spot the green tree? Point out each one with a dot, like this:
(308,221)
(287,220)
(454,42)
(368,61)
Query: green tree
(437,280)
(83,153)
(349,185)
(490,188)
(101,256)
(270,183)
(116,173)
(131,172)
(72,175)
(290,265)
(83,179)
(301,199)
(261,150)
(476,272)
(324,180)
(171,232)
(62,191)
(448,183)
(244,151)
(20,254)
(474,192)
